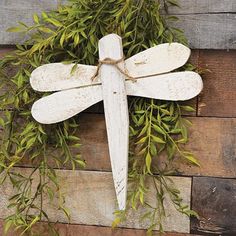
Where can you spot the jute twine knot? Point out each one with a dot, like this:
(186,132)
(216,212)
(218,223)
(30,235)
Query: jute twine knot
(110,61)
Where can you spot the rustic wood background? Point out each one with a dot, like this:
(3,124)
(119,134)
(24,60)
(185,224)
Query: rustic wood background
(210,26)
(207,23)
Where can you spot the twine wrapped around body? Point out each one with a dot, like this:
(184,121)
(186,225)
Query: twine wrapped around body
(109,61)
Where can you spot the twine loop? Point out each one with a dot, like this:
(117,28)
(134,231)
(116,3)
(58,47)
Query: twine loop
(110,61)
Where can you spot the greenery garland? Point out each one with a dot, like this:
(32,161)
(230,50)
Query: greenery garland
(71,34)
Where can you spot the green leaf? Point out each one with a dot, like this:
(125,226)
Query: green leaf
(159,129)
(148,160)
(50,193)
(36,18)
(153,149)
(141,120)
(46,30)
(62,39)
(15,29)
(143,131)
(7,225)
(142,140)
(2,122)
(116,222)
(30,142)
(157,139)
(175,131)
(191,159)
(44,15)
(173,2)
(188,108)
(73,69)
(83,34)
(54,22)
(73,138)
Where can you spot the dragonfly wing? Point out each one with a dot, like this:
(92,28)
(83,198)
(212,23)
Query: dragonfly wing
(177,86)
(160,59)
(63,105)
(58,76)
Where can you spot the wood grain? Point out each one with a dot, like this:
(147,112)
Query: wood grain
(204,6)
(12,11)
(87,230)
(209,31)
(215,201)
(211,139)
(90,196)
(219,94)
(203,29)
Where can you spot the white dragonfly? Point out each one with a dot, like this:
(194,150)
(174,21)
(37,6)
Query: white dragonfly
(76,92)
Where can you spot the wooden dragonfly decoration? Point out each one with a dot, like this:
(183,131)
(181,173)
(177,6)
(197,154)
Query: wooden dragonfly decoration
(77,91)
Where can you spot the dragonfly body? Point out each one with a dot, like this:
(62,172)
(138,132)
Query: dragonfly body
(76,92)
(116,113)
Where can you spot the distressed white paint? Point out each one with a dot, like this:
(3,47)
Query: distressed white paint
(176,86)
(58,76)
(111,87)
(64,104)
(116,113)
(157,60)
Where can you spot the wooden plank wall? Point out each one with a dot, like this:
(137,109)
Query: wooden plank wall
(210,189)
(207,23)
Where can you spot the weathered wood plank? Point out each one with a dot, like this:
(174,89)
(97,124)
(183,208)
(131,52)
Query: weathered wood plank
(215,201)
(209,31)
(211,139)
(12,12)
(87,230)
(90,196)
(206,30)
(204,6)
(218,97)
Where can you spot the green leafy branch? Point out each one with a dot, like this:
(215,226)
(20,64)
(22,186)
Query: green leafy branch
(157,132)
